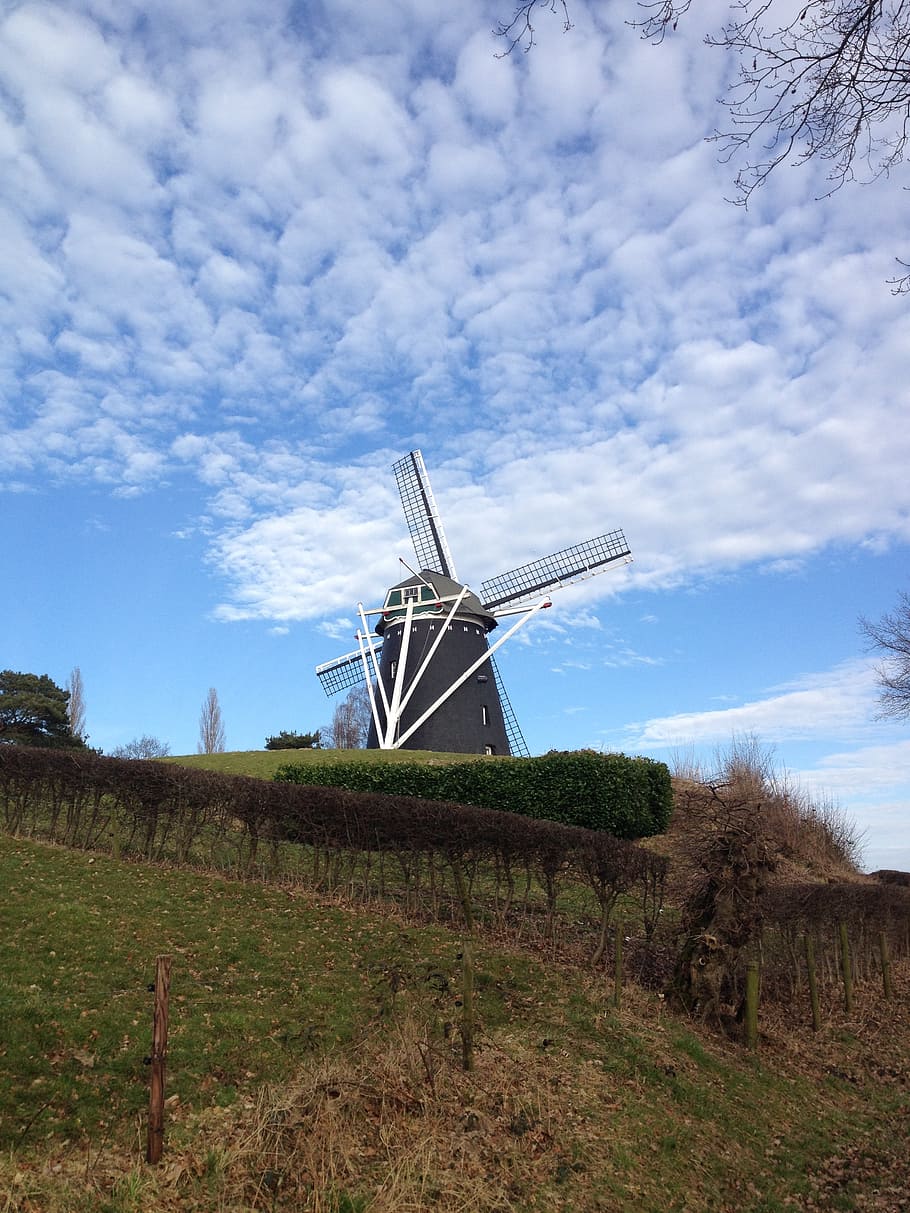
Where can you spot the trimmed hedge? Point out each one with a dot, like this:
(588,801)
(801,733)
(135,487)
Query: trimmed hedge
(163,811)
(626,797)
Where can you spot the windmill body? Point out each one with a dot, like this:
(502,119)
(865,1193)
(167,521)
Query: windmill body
(471,720)
(431,674)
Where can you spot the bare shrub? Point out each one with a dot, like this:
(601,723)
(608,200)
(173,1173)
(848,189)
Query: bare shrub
(732,858)
(806,827)
(685,765)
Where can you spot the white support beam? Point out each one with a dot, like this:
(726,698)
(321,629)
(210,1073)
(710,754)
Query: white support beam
(422,669)
(365,640)
(409,732)
(394,713)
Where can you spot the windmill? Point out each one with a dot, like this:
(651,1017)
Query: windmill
(431,674)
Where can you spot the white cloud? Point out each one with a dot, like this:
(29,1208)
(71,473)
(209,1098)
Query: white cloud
(485,84)
(866,772)
(315,252)
(339,629)
(304,564)
(838,702)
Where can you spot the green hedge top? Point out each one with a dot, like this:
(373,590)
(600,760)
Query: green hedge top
(626,797)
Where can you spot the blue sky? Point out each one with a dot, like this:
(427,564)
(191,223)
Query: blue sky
(252,254)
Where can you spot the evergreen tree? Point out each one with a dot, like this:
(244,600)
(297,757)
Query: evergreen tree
(34,711)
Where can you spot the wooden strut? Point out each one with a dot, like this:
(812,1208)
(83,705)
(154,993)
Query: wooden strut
(158,1059)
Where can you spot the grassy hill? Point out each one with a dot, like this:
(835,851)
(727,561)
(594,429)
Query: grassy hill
(314,1064)
(262,764)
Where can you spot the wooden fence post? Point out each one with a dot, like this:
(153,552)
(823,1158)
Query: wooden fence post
(846,967)
(813,982)
(885,953)
(617,966)
(752,1004)
(467,1006)
(158,1059)
(467,968)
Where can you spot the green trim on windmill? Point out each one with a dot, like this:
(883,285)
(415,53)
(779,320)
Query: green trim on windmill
(424,597)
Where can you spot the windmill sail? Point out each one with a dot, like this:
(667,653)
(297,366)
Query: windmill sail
(428,659)
(518,747)
(422,515)
(576,563)
(343,672)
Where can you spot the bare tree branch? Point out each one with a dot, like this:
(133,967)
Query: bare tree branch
(831,83)
(890,635)
(211,725)
(350,725)
(520,30)
(76,707)
(142,747)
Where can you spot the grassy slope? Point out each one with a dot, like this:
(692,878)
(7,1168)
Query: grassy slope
(264,763)
(571,1106)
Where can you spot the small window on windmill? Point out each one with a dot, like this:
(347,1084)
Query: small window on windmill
(411,593)
(486,714)
(392,668)
(489,749)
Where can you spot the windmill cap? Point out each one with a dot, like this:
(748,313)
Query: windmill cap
(444,588)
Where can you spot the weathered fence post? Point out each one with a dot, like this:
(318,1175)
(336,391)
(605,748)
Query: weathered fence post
(752,1004)
(813,983)
(158,1059)
(467,1006)
(846,969)
(467,967)
(885,954)
(617,966)
(116,833)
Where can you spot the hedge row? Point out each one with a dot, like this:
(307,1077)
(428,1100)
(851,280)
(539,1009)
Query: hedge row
(162,810)
(424,852)
(626,797)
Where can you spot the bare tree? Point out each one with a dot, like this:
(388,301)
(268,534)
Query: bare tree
(350,725)
(211,725)
(732,857)
(142,747)
(75,709)
(891,637)
(828,80)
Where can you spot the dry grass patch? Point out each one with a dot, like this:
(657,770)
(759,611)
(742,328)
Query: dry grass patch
(642,1112)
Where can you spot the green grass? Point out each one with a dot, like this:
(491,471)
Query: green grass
(262,764)
(583,1109)
(259,978)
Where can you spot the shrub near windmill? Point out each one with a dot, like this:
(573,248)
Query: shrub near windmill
(431,675)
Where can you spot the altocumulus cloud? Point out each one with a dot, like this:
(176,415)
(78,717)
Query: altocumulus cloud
(266,257)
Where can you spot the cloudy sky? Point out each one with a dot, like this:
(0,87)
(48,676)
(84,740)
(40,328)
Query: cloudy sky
(251,254)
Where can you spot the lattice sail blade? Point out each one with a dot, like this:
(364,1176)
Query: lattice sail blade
(518,747)
(343,672)
(422,516)
(573,564)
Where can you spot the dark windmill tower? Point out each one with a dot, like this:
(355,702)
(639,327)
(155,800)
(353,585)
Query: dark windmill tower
(473,721)
(432,680)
